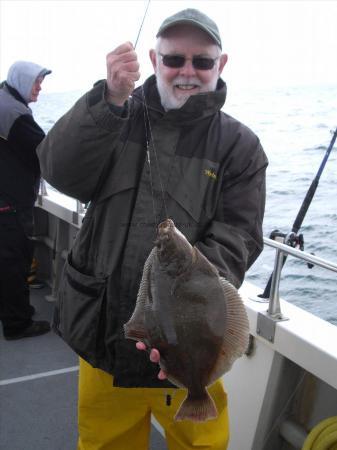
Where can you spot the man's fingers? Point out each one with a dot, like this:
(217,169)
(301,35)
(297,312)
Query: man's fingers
(124,59)
(131,67)
(126,75)
(122,73)
(123,48)
(140,345)
(154,355)
(162,375)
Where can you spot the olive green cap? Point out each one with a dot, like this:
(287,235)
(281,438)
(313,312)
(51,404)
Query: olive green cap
(192,17)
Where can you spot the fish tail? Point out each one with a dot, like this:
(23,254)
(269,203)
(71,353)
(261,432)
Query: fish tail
(197,409)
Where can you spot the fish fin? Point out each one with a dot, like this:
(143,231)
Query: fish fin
(197,409)
(172,379)
(135,327)
(236,338)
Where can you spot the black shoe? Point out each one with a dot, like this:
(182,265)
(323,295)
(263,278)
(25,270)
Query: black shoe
(36,328)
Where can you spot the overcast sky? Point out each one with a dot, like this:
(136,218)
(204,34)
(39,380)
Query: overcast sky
(274,42)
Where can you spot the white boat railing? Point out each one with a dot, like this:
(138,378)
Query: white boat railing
(266,321)
(75,211)
(308,257)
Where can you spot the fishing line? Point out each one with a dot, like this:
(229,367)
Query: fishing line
(149,139)
(150,168)
(156,158)
(141,25)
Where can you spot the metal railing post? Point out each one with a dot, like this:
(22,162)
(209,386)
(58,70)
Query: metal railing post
(79,210)
(42,191)
(79,207)
(266,321)
(274,309)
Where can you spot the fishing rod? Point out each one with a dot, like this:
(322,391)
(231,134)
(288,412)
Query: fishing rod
(292,239)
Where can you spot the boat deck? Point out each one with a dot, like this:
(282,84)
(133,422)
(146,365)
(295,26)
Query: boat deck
(38,390)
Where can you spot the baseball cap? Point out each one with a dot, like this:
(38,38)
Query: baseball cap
(193,17)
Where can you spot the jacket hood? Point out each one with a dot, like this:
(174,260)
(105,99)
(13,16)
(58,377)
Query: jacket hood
(22,75)
(197,106)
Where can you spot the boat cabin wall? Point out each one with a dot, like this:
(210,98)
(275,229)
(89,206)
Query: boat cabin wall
(273,402)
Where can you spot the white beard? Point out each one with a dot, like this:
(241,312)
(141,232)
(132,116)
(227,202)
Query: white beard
(170,100)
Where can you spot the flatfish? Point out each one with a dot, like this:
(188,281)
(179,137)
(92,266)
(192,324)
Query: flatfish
(194,317)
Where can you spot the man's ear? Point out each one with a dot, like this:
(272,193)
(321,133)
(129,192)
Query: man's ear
(223,61)
(153,57)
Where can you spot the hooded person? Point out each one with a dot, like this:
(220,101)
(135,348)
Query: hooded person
(19,184)
(22,75)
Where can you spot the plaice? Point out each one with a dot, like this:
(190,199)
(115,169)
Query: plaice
(195,318)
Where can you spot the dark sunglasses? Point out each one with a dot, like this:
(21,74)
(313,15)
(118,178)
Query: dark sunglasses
(198,62)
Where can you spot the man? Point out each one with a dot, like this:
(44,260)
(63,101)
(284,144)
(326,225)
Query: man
(19,184)
(164,149)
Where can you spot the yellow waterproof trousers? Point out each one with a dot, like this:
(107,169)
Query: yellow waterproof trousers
(112,418)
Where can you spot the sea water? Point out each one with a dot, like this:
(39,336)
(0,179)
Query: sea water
(294,125)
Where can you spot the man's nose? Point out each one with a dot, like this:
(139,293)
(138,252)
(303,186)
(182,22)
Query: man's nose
(188,69)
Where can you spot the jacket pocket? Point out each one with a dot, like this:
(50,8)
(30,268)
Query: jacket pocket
(193,186)
(79,312)
(185,210)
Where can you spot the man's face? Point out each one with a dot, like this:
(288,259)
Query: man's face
(176,85)
(36,89)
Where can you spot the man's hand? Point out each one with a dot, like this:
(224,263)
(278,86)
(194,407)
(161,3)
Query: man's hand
(154,357)
(122,73)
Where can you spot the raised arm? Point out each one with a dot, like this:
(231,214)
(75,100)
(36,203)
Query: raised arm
(76,150)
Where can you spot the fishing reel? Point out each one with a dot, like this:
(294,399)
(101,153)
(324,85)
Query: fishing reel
(293,240)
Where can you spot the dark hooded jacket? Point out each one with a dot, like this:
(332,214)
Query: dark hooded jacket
(19,137)
(205,170)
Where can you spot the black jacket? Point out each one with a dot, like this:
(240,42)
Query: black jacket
(19,137)
(212,172)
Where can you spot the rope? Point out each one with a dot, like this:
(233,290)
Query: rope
(323,436)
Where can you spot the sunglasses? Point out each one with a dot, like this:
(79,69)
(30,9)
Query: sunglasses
(178,61)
